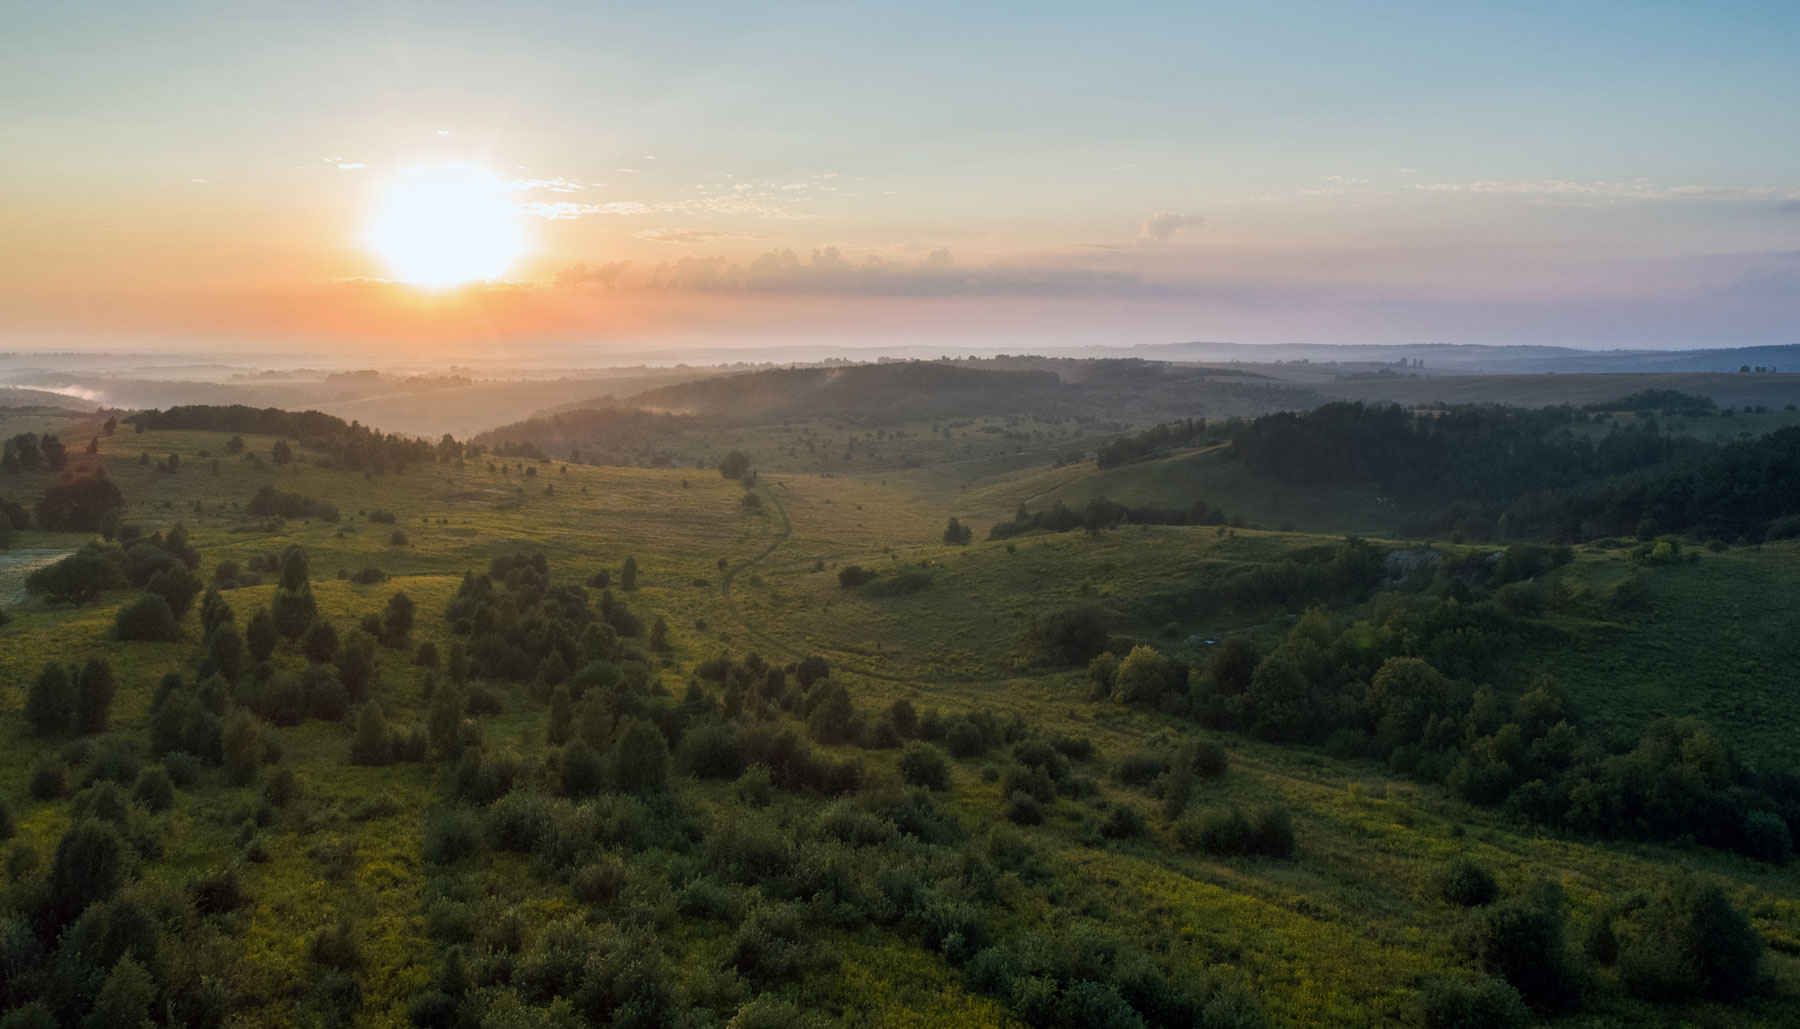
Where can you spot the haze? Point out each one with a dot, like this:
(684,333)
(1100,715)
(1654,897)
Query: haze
(186,175)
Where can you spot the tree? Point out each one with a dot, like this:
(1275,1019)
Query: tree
(79,505)
(924,765)
(320,644)
(1145,676)
(95,696)
(735,465)
(234,445)
(640,758)
(125,997)
(261,635)
(562,716)
(242,746)
(628,573)
(77,579)
(176,585)
(958,534)
(89,865)
(294,609)
(51,703)
(149,619)
(371,745)
(659,635)
(356,664)
(282,454)
(1232,665)
(397,620)
(443,724)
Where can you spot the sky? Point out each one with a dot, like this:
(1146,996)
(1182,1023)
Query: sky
(1002,176)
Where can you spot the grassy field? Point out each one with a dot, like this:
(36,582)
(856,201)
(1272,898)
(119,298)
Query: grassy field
(1343,933)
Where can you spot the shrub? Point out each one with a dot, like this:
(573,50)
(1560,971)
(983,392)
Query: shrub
(924,765)
(640,759)
(451,836)
(1473,1002)
(1023,809)
(154,791)
(320,644)
(852,576)
(1467,884)
(1689,942)
(1123,822)
(371,745)
(49,779)
(1522,940)
(1230,832)
(1071,637)
(710,752)
(148,618)
(88,867)
(51,702)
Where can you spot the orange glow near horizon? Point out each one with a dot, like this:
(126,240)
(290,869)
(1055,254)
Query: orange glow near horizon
(446,226)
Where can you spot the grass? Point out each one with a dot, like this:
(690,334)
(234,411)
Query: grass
(1341,934)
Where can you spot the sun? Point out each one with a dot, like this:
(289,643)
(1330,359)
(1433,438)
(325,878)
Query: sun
(447,225)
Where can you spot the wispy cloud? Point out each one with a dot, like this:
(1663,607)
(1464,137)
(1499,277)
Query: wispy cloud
(1607,190)
(689,236)
(1164,225)
(827,271)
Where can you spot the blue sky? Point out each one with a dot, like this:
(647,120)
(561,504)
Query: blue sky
(1487,172)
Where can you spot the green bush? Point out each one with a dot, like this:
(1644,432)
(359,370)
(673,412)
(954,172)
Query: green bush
(154,791)
(149,619)
(1688,942)
(924,765)
(1473,1002)
(1522,940)
(1467,884)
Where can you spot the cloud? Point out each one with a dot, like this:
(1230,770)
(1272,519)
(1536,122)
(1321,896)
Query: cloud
(564,210)
(689,236)
(1607,191)
(1163,226)
(828,272)
(597,276)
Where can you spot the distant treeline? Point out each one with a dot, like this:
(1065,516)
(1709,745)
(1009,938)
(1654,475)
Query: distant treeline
(1667,401)
(349,444)
(1151,441)
(1494,471)
(1101,513)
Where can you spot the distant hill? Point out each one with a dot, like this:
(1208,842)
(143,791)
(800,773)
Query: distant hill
(894,390)
(1464,358)
(19,396)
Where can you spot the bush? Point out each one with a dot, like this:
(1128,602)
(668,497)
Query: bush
(451,836)
(1522,940)
(1071,637)
(1473,1002)
(154,791)
(1687,943)
(852,576)
(1268,832)
(1023,809)
(1123,822)
(148,618)
(1467,884)
(710,752)
(88,867)
(924,765)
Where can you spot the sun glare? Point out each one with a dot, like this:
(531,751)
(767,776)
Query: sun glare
(446,226)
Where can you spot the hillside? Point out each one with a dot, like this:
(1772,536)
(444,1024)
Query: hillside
(735,782)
